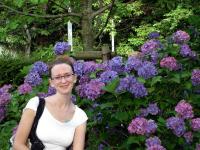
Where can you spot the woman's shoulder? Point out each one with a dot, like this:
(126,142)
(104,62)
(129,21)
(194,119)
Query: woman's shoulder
(33,103)
(80,115)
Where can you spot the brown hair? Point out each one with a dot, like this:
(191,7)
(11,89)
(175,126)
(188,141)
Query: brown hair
(61,60)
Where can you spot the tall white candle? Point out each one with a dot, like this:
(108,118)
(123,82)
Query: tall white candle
(113,36)
(69,30)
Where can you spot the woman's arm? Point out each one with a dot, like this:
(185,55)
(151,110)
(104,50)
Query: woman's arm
(23,130)
(79,137)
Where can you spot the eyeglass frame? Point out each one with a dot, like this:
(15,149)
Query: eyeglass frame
(65,76)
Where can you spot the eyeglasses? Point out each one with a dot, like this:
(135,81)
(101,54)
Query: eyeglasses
(65,76)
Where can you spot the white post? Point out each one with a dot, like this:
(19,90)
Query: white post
(113,36)
(69,29)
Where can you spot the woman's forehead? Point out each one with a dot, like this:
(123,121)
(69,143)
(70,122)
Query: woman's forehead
(61,68)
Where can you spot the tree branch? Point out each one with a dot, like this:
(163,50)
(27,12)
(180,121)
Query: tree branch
(101,9)
(101,31)
(37,15)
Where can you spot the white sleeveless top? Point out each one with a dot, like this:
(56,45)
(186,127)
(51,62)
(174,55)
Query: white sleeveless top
(54,134)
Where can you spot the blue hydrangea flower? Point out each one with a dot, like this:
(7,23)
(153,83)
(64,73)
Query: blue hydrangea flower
(138,90)
(153,35)
(88,67)
(133,63)
(177,125)
(33,79)
(185,50)
(153,109)
(78,67)
(195,77)
(108,76)
(147,70)
(152,141)
(40,67)
(61,47)
(151,126)
(125,83)
(116,64)
(180,37)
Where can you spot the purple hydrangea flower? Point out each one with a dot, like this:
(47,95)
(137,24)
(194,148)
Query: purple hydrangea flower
(170,63)
(188,136)
(125,83)
(40,67)
(138,90)
(177,125)
(2,112)
(133,63)
(195,77)
(150,46)
(5,98)
(116,64)
(84,79)
(33,79)
(185,50)
(108,76)
(5,88)
(91,90)
(153,35)
(156,147)
(153,109)
(143,112)
(88,67)
(154,57)
(151,126)
(78,67)
(138,126)
(180,37)
(61,47)
(24,88)
(195,124)
(152,141)
(197,147)
(73,98)
(184,110)
(147,70)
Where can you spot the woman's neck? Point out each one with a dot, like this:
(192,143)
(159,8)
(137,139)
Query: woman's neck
(62,100)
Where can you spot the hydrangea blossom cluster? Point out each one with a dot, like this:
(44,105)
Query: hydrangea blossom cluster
(61,47)
(195,77)
(5,98)
(153,35)
(147,70)
(151,109)
(154,143)
(133,63)
(138,90)
(188,136)
(108,76)
(185,50)
(33,79)
(116,64)
(177,125)
(169,63)
(184,110)
(51,91)
(142,126)
(91,90)
(180,37)
(197,147)
(150,46)
(78,67)
(195,124)
(88,67)
(24,88)
(40,67)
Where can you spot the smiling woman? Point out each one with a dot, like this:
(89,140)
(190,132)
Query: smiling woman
(66,122)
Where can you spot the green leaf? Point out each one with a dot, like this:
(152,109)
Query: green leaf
(121,116)
(155,80)
(135,140)
(34,1)
(111,86)
(141,80)
(176,78)
(106,105)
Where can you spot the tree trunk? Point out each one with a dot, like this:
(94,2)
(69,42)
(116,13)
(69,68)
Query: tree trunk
(87,27)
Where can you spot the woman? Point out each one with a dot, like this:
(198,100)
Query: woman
(62,122)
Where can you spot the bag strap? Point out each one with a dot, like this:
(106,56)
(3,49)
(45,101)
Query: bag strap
(33,137)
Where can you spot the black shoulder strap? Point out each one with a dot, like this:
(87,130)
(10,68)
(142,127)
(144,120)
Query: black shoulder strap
(39,112)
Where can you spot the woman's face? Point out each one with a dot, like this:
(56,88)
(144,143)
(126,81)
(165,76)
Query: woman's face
(62,78)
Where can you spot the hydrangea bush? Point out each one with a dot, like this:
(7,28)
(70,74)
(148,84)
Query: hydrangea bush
(149,100)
